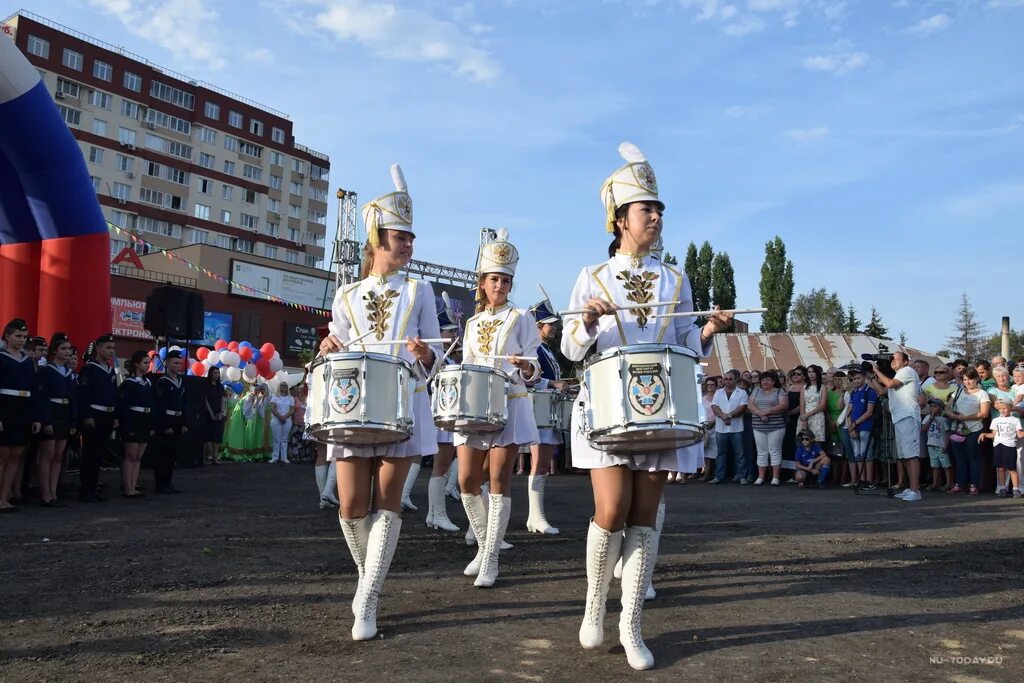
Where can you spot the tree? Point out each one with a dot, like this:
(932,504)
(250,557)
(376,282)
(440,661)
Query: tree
(903,338)
(994,346)
(852,324)
(776,286)
(669,259)
(690,262)
(817,311)
(875,328)
(723,283)
(701,279)
(968,338)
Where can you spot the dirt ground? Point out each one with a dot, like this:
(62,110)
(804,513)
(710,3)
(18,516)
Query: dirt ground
(243,577)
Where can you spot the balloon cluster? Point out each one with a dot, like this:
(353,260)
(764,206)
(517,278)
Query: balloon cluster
(238,362)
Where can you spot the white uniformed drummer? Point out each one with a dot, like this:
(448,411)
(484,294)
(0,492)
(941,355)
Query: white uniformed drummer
(390,306)
(627,488)
(496,336)
(437,511)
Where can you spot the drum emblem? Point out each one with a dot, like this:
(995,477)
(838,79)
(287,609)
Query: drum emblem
(345,394)
(646,388)
(448,394)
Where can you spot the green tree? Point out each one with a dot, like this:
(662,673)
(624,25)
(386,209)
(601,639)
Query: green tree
(690,262)
(994,346)
(968,339)
(852,324)
(776,286)
(701,279)
(817,311)
(670,259)
(903,338)
(875,328)
(723,282)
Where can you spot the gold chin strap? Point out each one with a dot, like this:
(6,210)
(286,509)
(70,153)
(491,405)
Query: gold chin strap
(609,209)
(372,229)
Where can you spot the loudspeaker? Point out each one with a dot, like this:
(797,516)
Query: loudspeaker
(174,313)
(196,309)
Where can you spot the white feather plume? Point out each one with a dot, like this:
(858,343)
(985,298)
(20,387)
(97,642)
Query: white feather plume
(448,306)
(631,153)
(398,178)
(502,235)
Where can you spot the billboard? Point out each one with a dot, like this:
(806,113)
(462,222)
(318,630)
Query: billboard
(216,326)
(126,318)
(300,337)
(463,300)
(298,288)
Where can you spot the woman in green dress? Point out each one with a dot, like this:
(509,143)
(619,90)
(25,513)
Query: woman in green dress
(234,430)
(257,426)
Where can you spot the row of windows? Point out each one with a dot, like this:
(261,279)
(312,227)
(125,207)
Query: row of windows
(168,93)
(169,122)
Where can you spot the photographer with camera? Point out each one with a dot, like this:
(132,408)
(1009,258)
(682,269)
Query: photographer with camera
(894,376)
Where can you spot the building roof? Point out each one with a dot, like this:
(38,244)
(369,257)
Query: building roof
(785,351)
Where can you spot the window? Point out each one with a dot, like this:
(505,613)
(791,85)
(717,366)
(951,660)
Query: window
(229,167)
(251,222)
(132,81)
(250,149)
(176,175)
(234,119)
(122,191)
(277,135)
(318,195)
(275,181)
(293,234)
(99,99)
(212,111)
(71,116)
(125,164)
(276,158)
(102,70)
(125,136)
(96,155)
(251,197)
(202,211)
(230,143)
(225,216)
(95,183)
(179,149)
(295,188)
(169,93)
(196,236)
(159,227)
(130,109)
(244,245)
(294,211)
(158,118)
(317,216)
(273,229)
(121,219)
(317,173)
(154,169)
(291,256)
(68,88)
(298,166)
(206,160)
(99,127)
(155,142)
(205,186)
(208,135)
(269,251)
(248,326)
(273,205)
(72,59)
(310,260)
(164,199)
(256,127)
(227,192)
(253,172)
(223,241)
(38,47)
(117,246)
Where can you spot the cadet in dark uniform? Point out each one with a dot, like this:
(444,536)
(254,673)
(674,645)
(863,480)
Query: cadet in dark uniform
(135,412)
(19,409)
(97,401)
(169,406)
(59,411)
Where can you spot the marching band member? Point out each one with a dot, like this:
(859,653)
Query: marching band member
(169,406)
(135,413)
(627,487)
(437,512)
(543,451)
(390,306)
(19,409)
(58,408)
(496,336)
(97,401)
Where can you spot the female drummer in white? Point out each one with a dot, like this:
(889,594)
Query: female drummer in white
(390,306)
(627,488)
(496,336)
(437,511)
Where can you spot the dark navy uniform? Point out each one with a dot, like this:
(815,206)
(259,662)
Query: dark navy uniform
(97,400)
(135,409)
(19,405)
(169,414)
(58,401)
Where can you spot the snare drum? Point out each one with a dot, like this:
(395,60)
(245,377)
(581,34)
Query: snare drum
(470,399)
(358,398)
(643,398)
(544,402)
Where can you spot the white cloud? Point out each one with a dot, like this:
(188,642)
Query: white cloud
(838,64)
(807,136)
(742,17)
(930,25)
(744,25)
(186,28)
(408,35)
(994,4)
(746,112)
(261,55)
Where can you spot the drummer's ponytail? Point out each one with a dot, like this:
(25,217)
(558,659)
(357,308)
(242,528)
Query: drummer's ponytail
(364,271)
(481,300)
(617,242)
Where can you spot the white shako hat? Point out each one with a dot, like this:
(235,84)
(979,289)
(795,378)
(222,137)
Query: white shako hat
(633,182)
(499,256)
(392,211)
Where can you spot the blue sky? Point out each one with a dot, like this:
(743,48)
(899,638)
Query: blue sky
(881,139)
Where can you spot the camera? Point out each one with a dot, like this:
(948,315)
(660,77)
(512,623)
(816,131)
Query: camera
(884,360)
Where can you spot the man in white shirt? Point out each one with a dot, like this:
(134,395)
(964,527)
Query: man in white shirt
(903,391)
(729,404)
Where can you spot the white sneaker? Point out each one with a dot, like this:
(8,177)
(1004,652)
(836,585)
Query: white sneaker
(775,482)
(759,482)
(912,496)
(902,494)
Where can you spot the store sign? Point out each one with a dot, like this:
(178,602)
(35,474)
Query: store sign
(297,288)
(299,338)
(126,318)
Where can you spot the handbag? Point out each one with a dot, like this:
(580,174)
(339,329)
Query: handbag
(958,435)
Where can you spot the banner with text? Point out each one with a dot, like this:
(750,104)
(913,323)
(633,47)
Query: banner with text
(296,287)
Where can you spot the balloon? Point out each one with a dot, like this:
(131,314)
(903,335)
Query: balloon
(256,355)
(230,358)
(174,348)
(244,344)
(163,353)
(221,344)
(277,354)
(245,352)
(198,369)
(267,349)
(213,357)
(276,364)
(233,374)
(263,365)
(202,352)
(237,387)
(152,352)
(233,346)
(250,372)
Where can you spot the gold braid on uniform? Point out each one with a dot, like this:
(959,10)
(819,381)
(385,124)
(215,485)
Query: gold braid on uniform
(485,333)
(640,290)
(378,310)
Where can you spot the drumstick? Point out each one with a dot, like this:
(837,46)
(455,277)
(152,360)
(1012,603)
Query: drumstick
(397,342)
(439,364)
(734,311)
(345,345)
(508,357)
(653,304)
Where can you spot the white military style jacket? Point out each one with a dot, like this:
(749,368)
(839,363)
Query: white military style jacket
(502,331)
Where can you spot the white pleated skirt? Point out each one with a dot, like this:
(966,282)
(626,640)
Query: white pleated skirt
(552,437)
(521,428)
(422,442)
(444,436)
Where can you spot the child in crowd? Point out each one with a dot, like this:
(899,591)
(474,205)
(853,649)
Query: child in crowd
(937,438)
(1006,431)
(810,458)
